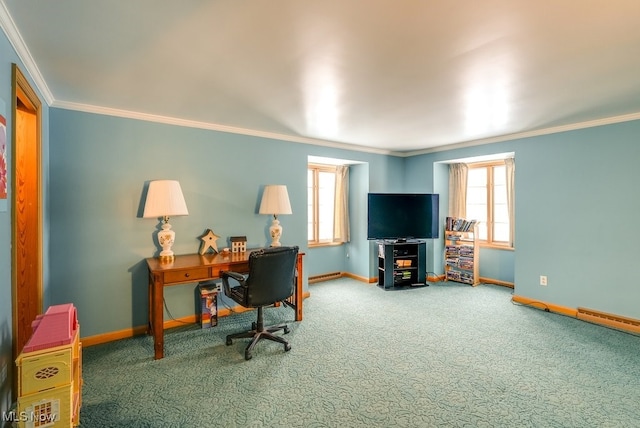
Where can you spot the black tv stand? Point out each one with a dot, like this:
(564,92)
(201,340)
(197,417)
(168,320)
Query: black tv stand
(402,264)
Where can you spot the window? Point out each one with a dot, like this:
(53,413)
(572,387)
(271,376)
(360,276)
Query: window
(321,181)
(487,202)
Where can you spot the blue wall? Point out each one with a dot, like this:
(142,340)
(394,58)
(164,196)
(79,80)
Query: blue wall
(96,196)
(99,167)
(575,200)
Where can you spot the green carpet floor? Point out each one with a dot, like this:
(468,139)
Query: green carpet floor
(447,355)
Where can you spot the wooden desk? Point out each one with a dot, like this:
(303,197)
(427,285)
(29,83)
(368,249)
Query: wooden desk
(189,268)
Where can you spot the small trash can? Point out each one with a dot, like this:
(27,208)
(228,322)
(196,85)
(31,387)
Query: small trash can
(208,304)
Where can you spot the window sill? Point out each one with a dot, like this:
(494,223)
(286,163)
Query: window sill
(497,247)
(324,244)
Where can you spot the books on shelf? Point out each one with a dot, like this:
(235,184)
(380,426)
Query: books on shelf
(460,224)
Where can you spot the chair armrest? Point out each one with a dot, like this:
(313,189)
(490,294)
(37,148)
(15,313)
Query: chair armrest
(226,275)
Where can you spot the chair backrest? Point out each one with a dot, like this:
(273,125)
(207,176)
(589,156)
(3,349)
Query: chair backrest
(272,274)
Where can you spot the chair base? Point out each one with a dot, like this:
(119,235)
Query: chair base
(259,332)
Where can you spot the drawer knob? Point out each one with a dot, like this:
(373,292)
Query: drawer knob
(186,275)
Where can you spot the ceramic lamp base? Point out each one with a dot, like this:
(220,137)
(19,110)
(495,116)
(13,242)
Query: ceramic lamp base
(276,232)
(166,237)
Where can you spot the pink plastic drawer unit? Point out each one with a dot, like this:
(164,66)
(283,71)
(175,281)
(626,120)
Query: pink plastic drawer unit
(55,328)
(49,408)
(50,370)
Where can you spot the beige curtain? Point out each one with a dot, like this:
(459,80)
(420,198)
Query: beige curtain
(341,205)
(510,169)
(458,190)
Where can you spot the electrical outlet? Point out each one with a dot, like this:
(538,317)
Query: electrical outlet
(219,287)
(543,280)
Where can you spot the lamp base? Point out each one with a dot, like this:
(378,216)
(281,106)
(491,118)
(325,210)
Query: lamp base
(276,232)
(166,237)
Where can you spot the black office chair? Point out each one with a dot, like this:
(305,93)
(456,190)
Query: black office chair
(272,277)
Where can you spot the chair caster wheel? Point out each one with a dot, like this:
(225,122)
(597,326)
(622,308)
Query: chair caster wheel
(229,341)
(286,330)
(287,348)
(247,355)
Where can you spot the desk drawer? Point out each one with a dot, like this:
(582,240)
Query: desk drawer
(185,275)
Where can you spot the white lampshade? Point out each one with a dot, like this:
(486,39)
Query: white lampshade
(275,200)
(164,199)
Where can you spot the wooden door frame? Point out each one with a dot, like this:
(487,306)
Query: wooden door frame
(21,90)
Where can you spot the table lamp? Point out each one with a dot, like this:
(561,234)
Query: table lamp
(275,200)
(164,199)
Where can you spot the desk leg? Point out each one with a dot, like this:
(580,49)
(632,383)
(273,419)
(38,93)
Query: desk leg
(150,305)
(299,290)
(156,315)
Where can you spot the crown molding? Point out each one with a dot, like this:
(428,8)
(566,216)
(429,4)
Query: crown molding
(519,135)
(10,29)
(214,127)
(332,144)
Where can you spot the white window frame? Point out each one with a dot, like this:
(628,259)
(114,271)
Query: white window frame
(314,212)
(489,241)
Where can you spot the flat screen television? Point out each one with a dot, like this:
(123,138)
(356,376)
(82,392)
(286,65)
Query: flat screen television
(402,216)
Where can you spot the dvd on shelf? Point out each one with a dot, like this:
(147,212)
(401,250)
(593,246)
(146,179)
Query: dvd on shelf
(461,251)
(459,224)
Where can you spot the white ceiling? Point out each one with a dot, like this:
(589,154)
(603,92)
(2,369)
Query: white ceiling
(385,75)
